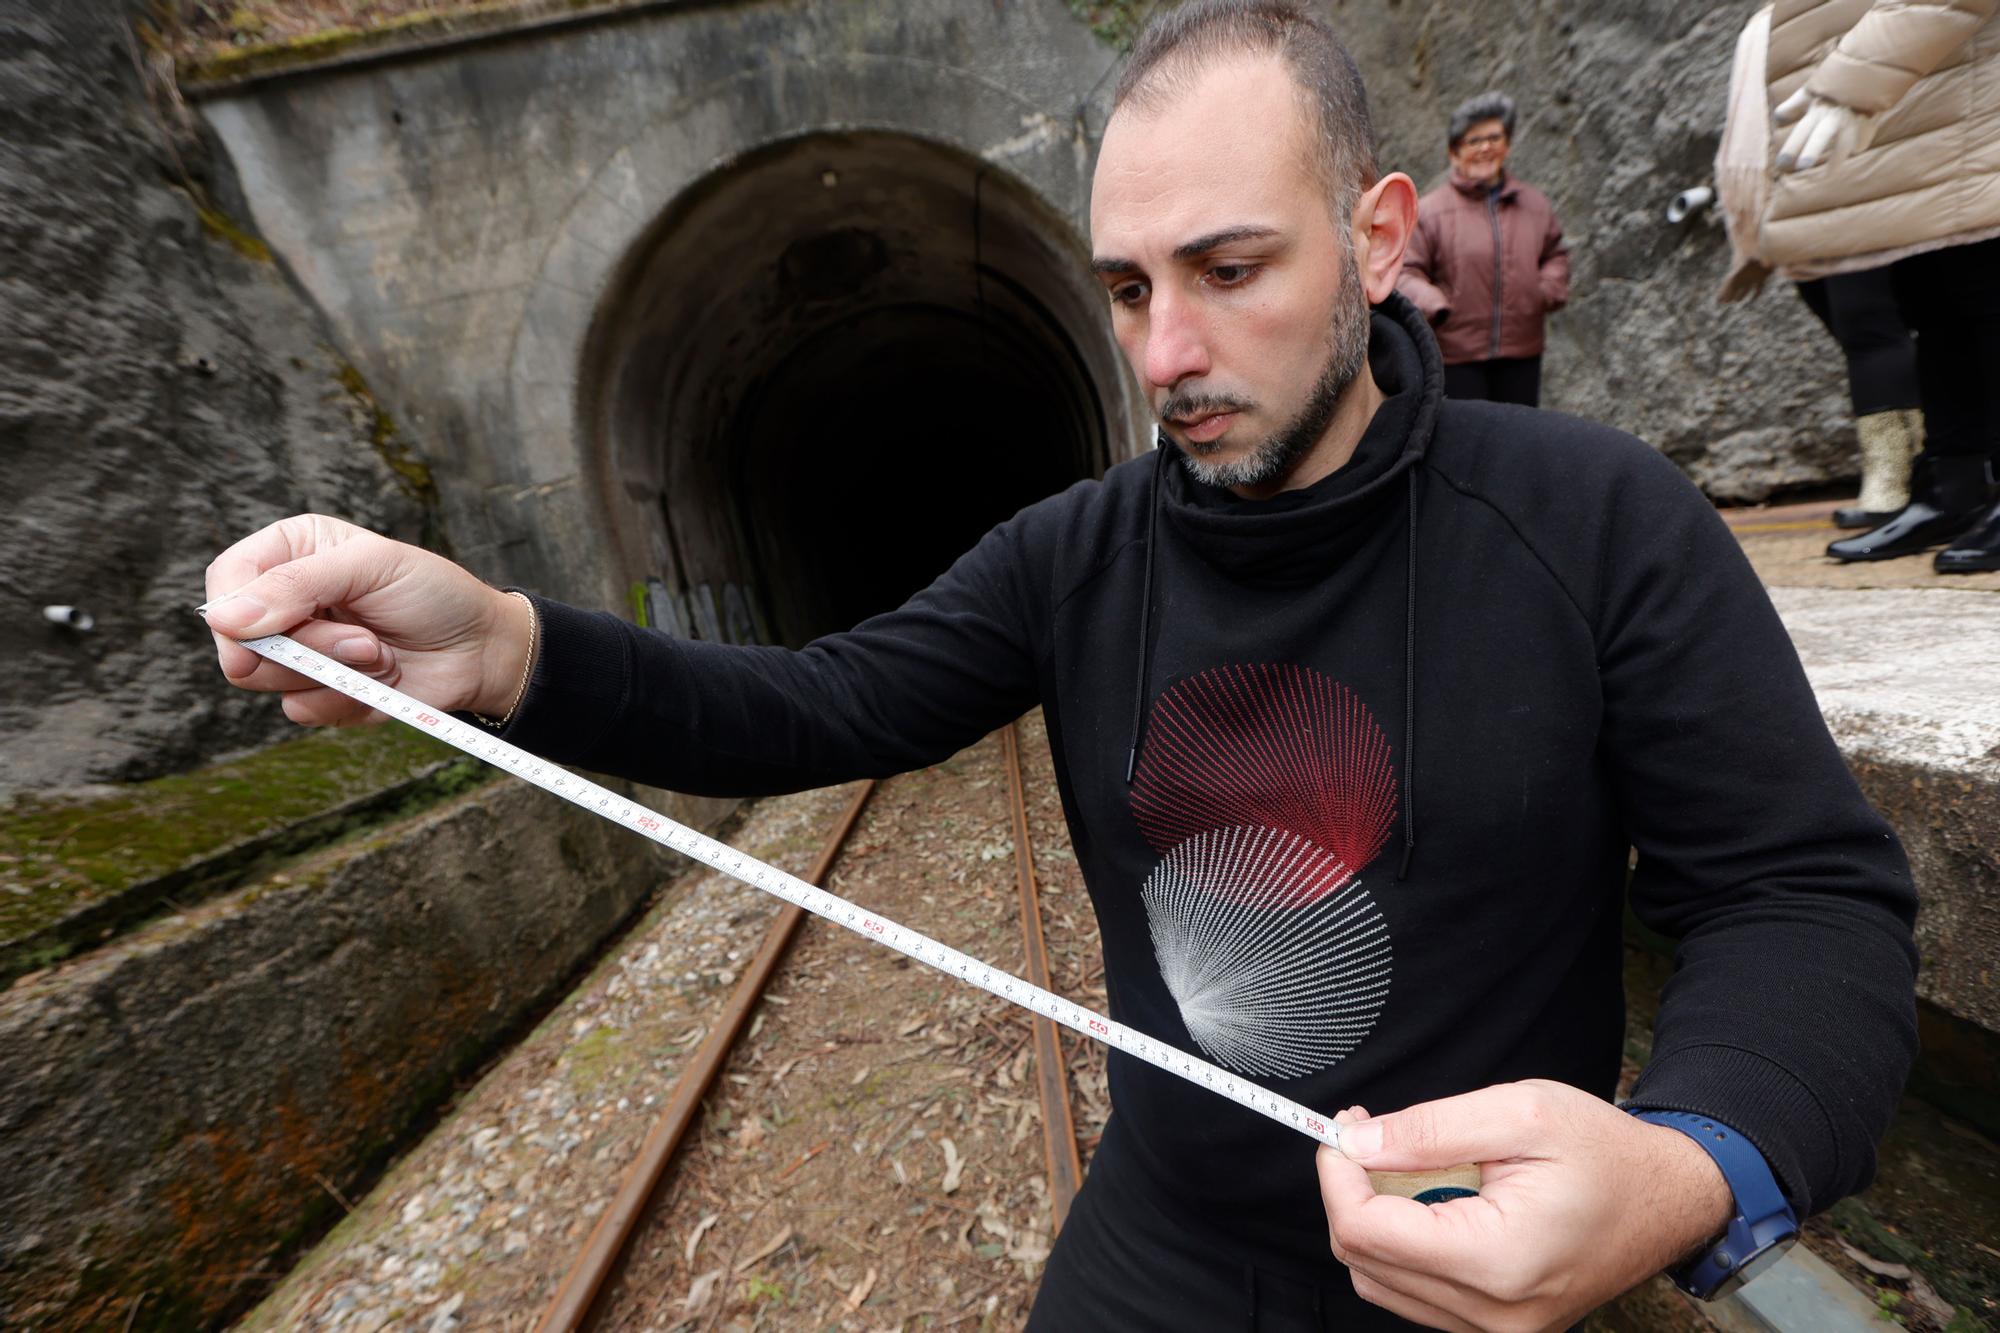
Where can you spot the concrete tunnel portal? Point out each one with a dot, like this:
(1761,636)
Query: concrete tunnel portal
(829,367)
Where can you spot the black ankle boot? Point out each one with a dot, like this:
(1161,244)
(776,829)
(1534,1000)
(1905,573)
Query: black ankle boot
(1973,551)
(1947,496)
(1862,518)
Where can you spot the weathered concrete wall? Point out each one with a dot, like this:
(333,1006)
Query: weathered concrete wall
(180,1108)
(466,218)
(163,390)
(1905,679)
(468,215)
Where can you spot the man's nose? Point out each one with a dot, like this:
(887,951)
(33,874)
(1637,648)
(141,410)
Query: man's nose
(1176,343)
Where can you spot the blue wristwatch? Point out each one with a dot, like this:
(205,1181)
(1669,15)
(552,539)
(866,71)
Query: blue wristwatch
(1764,1226)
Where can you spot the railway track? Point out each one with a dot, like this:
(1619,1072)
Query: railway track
(883,1147)
(580,1301)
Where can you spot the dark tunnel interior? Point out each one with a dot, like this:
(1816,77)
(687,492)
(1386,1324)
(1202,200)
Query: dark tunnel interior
(884,447)
(835,366)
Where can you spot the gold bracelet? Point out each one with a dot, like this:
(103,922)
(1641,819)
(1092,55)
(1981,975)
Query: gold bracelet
(527,667)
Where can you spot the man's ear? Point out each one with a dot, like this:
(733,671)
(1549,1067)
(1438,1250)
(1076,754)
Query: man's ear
(1384,219)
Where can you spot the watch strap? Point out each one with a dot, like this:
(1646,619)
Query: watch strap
(1763,1216)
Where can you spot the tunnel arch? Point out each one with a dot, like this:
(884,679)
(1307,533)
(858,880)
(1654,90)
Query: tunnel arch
(827,368)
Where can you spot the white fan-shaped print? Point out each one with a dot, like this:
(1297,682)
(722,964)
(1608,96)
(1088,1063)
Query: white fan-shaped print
(1278,959)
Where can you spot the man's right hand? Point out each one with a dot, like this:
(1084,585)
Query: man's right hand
(408,617)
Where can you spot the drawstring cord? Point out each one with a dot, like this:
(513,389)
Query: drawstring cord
(1410,691)
(1146,612)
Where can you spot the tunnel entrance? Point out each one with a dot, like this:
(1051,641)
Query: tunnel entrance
(829,368)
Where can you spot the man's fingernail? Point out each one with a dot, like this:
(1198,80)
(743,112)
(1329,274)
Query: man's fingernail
(1362,1140)
(358,651)
(235,612)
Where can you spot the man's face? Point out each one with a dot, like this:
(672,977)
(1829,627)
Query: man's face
(1481,154)
(1233,288)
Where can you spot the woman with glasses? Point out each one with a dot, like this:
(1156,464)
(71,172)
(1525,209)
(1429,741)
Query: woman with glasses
(1487,263)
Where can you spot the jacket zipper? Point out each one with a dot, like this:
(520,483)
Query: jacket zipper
(1499,269)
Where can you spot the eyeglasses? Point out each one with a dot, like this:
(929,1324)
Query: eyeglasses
(1481,140)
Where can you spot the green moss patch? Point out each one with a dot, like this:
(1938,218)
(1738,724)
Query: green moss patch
(248,41)
(227,230)
(58,857)
(412,476)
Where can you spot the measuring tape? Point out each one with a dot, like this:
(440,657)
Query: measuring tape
(668,833)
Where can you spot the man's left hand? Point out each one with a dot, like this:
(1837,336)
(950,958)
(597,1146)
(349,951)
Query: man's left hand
(1580,1202)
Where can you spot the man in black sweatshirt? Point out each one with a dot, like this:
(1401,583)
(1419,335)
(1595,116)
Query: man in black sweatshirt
(1360,700)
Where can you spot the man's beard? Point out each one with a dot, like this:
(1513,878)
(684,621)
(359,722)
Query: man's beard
(1274,457)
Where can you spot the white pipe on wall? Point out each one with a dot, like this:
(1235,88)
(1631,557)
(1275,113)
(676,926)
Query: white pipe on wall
(69,617)
(1689,202)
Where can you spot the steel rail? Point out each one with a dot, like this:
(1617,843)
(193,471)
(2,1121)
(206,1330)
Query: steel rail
(575,1301)
(1065,1166)
(575,1304)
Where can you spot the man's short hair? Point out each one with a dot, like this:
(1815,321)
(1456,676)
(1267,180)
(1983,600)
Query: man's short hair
(1178,44)
(1473,110)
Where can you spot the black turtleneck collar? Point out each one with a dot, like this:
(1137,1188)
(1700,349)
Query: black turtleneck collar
(1295,534)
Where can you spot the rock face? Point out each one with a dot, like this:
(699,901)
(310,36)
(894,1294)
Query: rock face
(164,387)
(163,391)
(1621,106)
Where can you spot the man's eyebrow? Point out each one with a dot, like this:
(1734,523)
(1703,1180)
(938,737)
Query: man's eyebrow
(1215,240)
(1193,249)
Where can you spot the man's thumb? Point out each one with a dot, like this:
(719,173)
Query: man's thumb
(1489,1125)
(282,597)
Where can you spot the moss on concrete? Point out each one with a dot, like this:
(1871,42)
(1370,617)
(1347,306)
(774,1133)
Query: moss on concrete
(231,63)
(412,475)
(246,48)
(57,855)
(225,229)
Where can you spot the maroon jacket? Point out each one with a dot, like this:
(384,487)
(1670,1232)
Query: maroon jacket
(1478,310)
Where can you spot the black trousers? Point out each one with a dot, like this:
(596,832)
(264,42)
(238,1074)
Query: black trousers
(1122,1262)
(1504,379)
(1860,311)
(1951,300)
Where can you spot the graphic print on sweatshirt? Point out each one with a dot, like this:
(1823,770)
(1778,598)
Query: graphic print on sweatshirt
(1266,788)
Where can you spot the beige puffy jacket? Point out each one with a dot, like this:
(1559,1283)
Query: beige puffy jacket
(1929,71)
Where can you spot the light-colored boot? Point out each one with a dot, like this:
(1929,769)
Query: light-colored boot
(1889,444)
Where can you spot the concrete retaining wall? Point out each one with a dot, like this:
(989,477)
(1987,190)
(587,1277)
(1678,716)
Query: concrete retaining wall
(1904,678)
(179,1109)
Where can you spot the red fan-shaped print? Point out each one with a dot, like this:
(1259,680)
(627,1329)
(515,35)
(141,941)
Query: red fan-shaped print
(1273,746)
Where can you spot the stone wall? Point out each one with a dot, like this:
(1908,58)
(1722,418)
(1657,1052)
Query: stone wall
(164,390)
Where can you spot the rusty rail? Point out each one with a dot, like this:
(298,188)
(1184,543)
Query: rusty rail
(576,1299)
(1065,1167)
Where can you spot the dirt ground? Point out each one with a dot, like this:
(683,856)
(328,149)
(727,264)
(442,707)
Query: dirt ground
(873,1159)
(870,1159)
(1787,546)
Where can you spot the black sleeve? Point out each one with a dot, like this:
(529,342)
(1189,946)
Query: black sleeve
(900,691)
(1791,1011)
